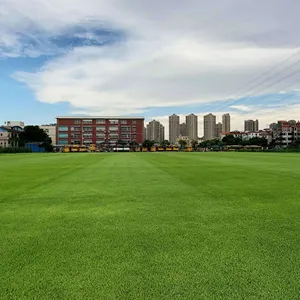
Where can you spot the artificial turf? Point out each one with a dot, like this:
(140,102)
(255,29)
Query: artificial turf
(150,226)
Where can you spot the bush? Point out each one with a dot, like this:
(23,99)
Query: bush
(14,150)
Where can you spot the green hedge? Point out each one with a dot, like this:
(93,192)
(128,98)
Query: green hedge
(15,150)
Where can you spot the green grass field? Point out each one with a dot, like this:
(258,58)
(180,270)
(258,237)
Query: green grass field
(150,226)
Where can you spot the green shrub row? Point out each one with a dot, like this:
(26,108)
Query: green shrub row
(15,150)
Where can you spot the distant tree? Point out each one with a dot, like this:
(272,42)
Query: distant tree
(165,143)
(194,144)
(182,143)
(148,144)
(35,134)
(231,140)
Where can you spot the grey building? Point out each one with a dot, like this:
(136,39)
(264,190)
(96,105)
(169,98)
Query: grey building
(155,131)
(226,123)
(183,129)
(209,127)
(219,127)
(192,126)
(174,129)
(251,125)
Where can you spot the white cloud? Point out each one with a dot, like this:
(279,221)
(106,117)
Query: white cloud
(185,53)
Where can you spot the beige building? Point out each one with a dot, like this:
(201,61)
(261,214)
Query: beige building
(9,136)
(192,126)
(15,123)
(226,123)
(50,129)
(209,127)
(219,128)
(173,128)
(155,131)
(251,125)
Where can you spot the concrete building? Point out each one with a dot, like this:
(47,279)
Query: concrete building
(50,129)
(98,130)
(9,136)
(15,124)
(209,127)
(183,129)
(174,129)
(226,123)
(286,133)
(219,128)
(251,125)
(192,126)
(155,131)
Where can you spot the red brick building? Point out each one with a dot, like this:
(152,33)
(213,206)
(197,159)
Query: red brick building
(98,130)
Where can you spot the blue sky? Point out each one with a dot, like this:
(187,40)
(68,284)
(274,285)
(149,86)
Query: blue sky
(150,59)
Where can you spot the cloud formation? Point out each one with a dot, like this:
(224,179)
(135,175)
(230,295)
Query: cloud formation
(169,54)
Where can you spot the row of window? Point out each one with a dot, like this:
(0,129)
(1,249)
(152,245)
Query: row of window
(102,121)
(98,128)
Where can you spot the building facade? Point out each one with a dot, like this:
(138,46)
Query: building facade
(98,130)
(155,131)
(50,129)
(192,126)
(209,127)
(9,136)
(174,129)
(226,123)
(251,125)
(219,130)
(286,133)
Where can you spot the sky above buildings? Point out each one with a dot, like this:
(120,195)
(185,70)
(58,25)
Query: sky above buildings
(150,58)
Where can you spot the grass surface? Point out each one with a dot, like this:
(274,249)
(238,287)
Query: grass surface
(150,226)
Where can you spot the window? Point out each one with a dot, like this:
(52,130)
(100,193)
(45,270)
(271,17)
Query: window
(62,128)
(75,128)
(114,136)
(75,136)
(133,128)
(100,135)
(100,121)
(87,135)
(63,135)
(125,136)
(113,121)
(100,128)
(77,121)
(87,121)
(87,128)
(125,128)
(123,121)
(76,142)
(62,142)
(134,122)
(86,142)
(113,128)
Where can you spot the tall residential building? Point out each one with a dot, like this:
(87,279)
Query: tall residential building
(173,128)
(226,123)
(183,129)
(192,126)
(219,128)
(209,127)
(98,130)
(155,131)
(251,125)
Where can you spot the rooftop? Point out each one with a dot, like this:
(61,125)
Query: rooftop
(100,117)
